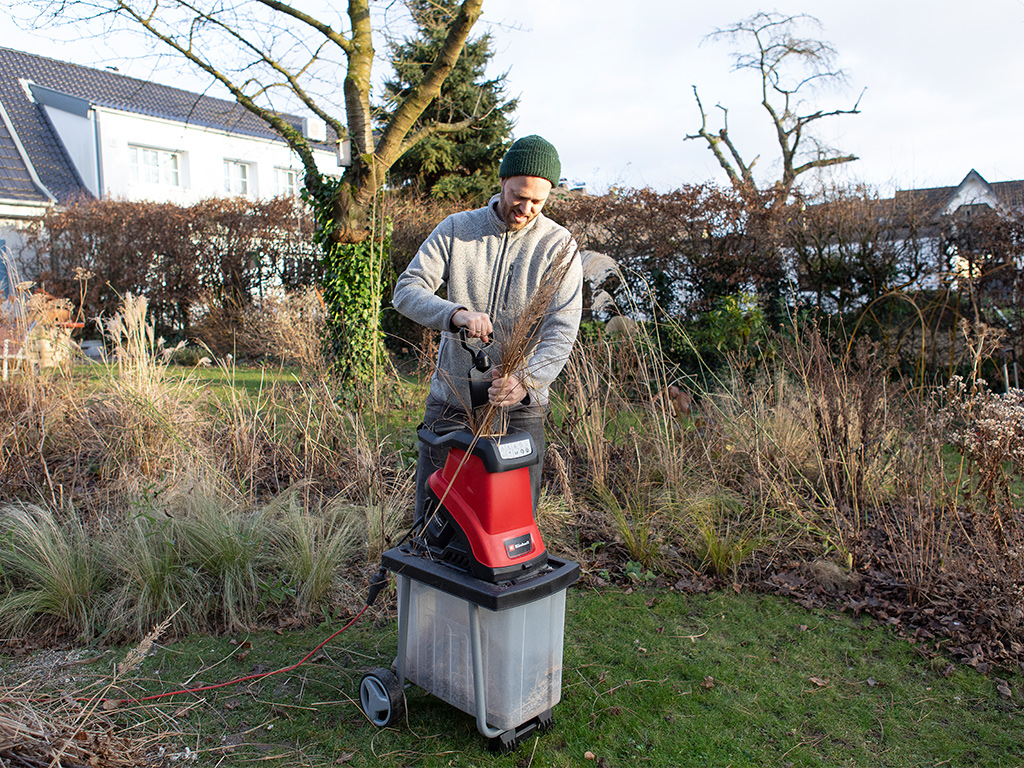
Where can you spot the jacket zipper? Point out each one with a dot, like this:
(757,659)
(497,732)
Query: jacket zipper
(492,298)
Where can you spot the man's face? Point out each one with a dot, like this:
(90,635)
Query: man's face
(522,198)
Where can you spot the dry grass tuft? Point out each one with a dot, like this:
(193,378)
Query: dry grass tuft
(85,726)
(283,326)
(70,730)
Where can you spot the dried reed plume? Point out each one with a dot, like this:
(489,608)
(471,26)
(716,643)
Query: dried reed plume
(517,339)
(137,654)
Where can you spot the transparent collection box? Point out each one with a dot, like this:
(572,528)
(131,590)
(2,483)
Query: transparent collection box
(521,648)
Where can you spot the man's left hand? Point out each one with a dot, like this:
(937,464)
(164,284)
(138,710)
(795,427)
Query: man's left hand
(506,391)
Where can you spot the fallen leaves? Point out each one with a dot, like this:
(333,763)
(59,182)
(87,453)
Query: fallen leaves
(966,616)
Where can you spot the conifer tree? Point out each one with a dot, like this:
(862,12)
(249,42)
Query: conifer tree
(471,117)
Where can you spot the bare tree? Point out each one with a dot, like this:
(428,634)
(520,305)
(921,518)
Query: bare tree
(789,67)
(269,53)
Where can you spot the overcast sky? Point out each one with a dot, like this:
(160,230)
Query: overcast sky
(610,84)
(612,89)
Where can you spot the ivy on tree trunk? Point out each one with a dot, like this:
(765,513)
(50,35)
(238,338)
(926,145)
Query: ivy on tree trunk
(351,280)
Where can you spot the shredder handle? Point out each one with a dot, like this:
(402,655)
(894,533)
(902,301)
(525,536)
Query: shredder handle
(434,440)
(485,448)
(479,685)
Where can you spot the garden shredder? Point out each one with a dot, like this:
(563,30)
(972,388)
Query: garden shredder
(481,603)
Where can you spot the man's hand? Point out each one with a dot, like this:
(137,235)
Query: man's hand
(506,391)
(477,324)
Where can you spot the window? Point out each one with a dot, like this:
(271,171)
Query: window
(287,182)
(154,166)
(236,177)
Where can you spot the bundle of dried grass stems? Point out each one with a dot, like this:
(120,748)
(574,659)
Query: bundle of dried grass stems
(515,339)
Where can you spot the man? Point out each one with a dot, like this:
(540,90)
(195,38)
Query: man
(492,260)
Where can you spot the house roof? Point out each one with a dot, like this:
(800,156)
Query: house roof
(973,190)
(91,87)
(16,182)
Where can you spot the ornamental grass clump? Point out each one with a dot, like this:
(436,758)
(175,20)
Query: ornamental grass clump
(588,397)
(623,443)
(380,490)
(225,544)
(54,571)
(280,326)
(149,423)
(288,326)
(151,578)
(312,546)
(812,437)
(806,451)
(721,533)
(163,490)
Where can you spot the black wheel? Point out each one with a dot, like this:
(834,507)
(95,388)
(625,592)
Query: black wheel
(381,697)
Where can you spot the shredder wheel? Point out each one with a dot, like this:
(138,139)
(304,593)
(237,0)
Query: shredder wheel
(381,697)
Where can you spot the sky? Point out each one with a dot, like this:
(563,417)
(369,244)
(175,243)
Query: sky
(610,84)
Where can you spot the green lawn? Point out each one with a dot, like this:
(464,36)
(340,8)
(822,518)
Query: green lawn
(650,677)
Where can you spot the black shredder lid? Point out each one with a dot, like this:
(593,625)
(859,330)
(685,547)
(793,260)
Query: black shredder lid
(495,597)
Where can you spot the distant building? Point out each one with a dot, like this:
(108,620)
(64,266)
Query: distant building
(972,195)
(69,132)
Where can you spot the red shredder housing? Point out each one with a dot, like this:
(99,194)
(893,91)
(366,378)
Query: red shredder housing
(488,498)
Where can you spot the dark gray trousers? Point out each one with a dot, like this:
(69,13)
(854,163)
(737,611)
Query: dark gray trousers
(439,415)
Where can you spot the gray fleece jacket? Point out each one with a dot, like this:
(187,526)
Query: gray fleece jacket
(488,268)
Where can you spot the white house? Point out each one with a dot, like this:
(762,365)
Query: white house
(69,132)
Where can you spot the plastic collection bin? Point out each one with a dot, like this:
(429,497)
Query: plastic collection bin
(522,653)
(490,650)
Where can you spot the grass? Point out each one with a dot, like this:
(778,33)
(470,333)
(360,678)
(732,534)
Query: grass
(653,678)
(252,380)
(58,564)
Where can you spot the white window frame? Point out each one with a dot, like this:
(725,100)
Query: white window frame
(286,182)
(154,167)
(237,178)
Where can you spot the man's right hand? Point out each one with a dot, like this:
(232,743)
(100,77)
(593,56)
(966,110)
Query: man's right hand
(477,324)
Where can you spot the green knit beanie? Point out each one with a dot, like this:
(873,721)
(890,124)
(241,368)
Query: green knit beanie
(532,156)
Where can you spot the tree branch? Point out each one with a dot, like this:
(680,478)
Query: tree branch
(324,29)
(291,79)
(713,142)
(823,162)
(295,140)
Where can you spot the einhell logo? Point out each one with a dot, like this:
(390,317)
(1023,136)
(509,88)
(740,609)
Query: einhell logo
(519,546)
